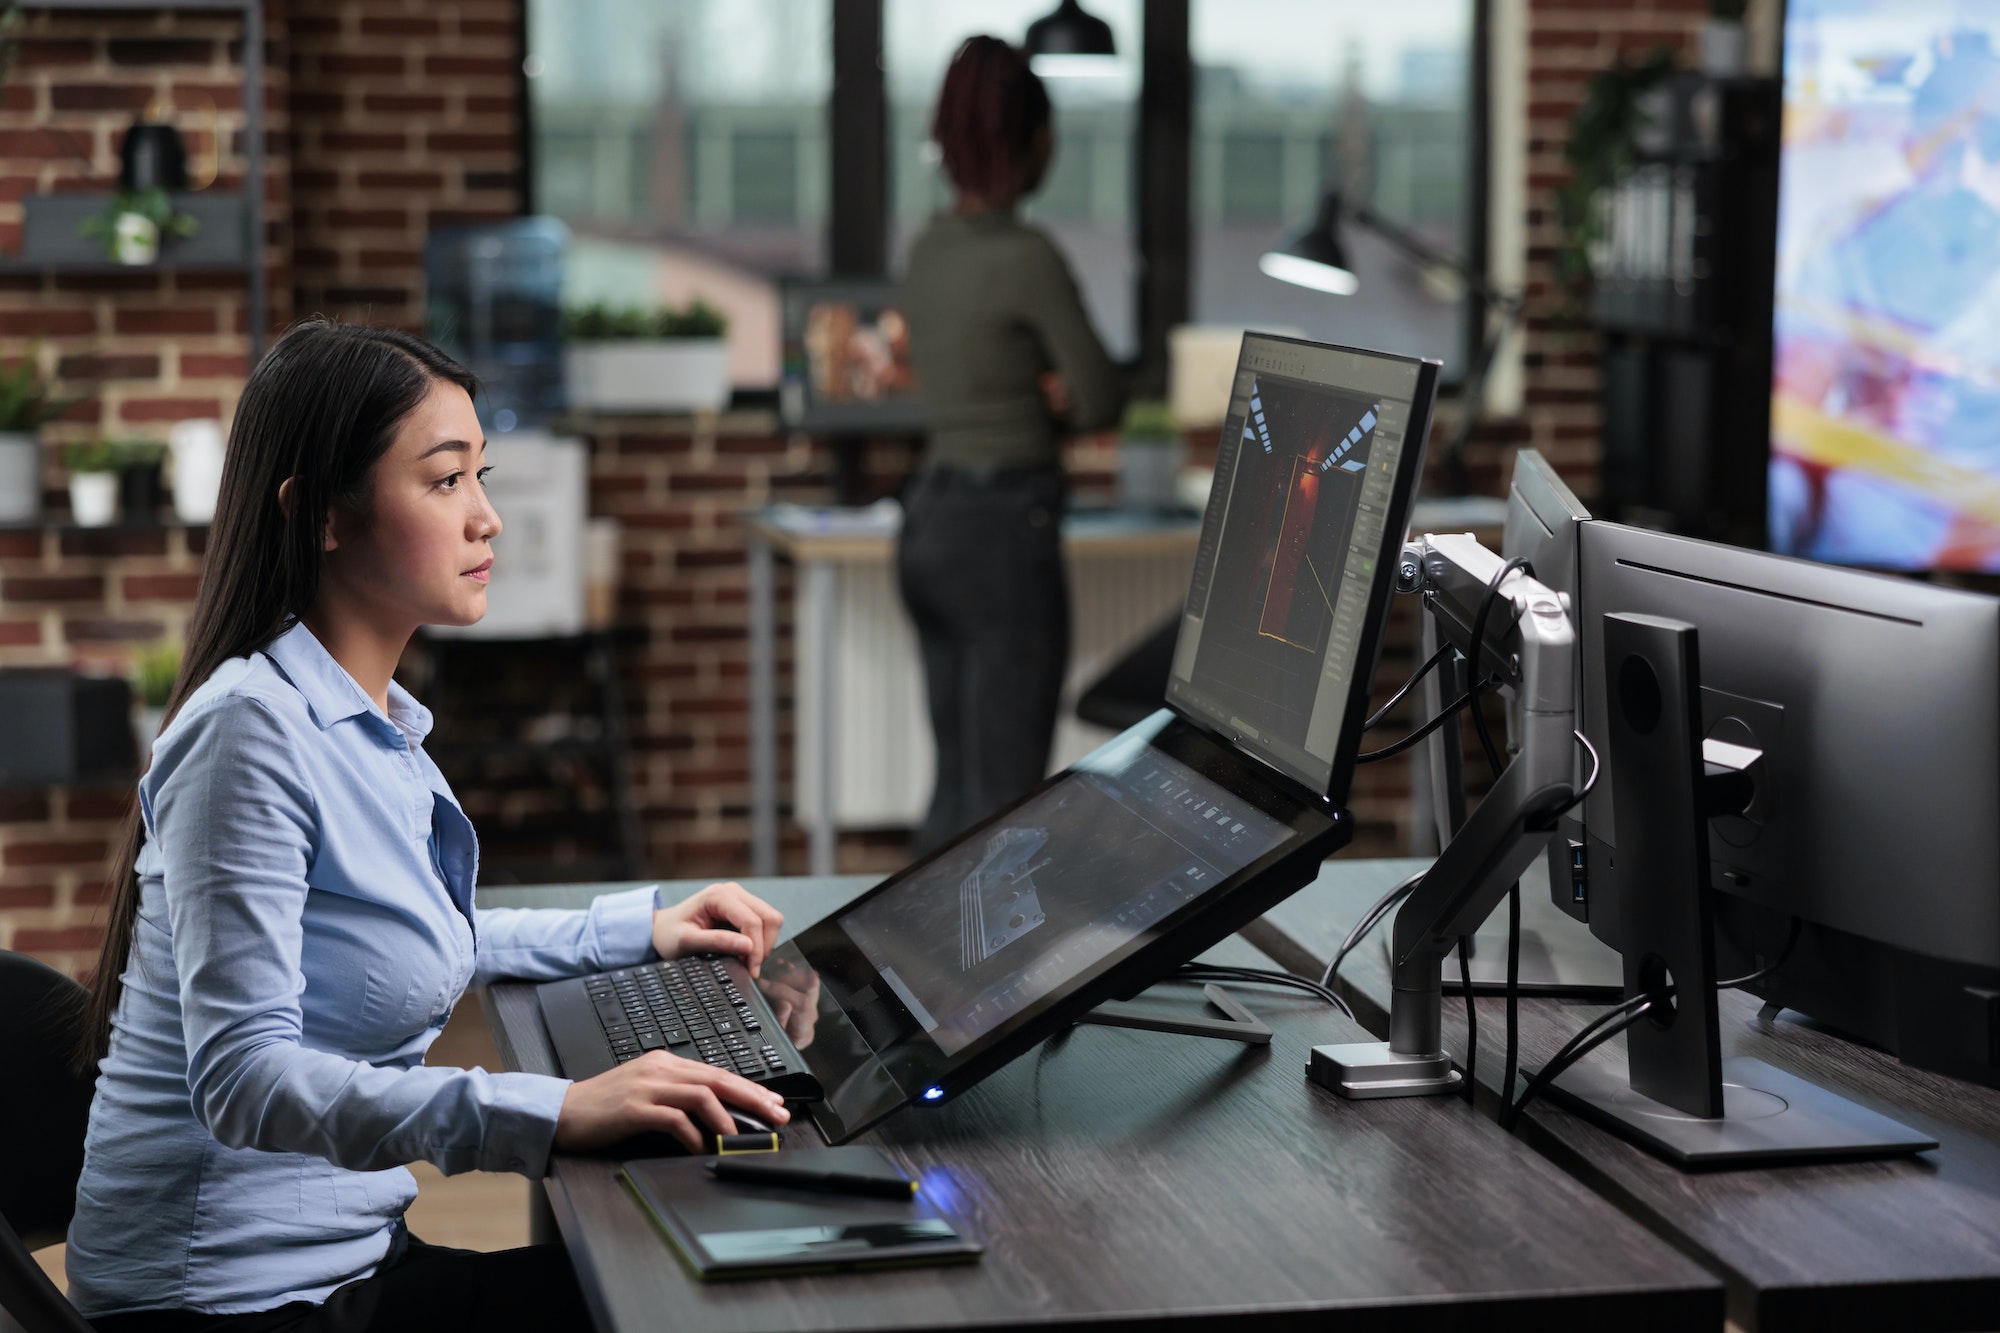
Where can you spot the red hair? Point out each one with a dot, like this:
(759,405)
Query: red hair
(988,113)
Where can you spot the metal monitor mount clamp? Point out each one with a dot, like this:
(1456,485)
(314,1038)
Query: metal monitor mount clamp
(1529,645)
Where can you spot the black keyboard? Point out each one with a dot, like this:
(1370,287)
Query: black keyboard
(691,1007)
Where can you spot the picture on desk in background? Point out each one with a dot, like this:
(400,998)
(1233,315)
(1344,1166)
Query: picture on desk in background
(997,900)
(858,354)
(1885,398)
(1301,456)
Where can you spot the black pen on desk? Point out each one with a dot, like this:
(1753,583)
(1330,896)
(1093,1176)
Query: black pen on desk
(810,1178)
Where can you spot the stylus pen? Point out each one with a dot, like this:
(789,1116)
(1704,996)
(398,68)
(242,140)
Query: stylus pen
(806,1178)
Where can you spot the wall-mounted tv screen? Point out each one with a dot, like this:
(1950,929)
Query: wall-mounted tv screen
(1885,412)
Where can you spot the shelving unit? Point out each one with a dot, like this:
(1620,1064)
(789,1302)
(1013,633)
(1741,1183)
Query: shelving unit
(258,295)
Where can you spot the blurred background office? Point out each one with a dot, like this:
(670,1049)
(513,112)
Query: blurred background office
(671,233)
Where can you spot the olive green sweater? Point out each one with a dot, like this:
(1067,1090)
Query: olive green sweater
(992,307)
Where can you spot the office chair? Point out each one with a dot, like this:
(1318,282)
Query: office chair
(1136,685)
(42,1122)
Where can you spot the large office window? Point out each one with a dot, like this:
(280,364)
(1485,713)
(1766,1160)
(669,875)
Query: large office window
(685,144)
(1297,97)
(1086,203)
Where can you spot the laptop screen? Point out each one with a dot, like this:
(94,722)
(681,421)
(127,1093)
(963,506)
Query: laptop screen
(1283,617)
(1082,868)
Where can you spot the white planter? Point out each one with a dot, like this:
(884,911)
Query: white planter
(93,498)
(135,239)
(649,375)
(197,448)
(1147,470)
(20,478)
(1724,48)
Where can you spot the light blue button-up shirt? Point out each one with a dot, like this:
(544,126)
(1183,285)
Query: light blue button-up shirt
(306,923)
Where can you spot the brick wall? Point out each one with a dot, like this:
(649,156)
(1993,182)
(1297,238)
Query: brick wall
(405,117)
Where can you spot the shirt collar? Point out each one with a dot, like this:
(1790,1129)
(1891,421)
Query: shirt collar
(331,694)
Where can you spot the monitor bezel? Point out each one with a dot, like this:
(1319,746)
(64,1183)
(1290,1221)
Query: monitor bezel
(1409,475)
(801,409)
(1317,831)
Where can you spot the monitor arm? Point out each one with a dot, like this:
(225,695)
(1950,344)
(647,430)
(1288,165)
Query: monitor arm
(1529,645)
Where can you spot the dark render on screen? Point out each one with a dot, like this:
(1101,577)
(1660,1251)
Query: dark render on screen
(1269,611)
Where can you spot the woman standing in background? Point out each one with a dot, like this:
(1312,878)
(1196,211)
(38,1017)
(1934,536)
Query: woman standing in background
(1008,361)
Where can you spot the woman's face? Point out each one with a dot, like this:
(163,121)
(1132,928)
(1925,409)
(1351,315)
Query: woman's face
(422,555)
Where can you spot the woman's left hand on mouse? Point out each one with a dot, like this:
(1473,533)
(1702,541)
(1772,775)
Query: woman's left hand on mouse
(722,918)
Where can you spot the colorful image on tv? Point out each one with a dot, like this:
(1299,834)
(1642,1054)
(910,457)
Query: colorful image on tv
(1885,412)
(857,355)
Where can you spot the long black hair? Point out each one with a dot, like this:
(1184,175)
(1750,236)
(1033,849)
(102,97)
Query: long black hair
(320,409)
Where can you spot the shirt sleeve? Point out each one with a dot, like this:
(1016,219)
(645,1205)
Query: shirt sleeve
(1052,307)
(542,944)
(235,824)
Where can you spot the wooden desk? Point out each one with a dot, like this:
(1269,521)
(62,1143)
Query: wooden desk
(1905,1244)
(1121,1178)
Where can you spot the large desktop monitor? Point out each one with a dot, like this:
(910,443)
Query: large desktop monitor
(1869,857)
(1282,627)
(1886,384)
(846,359)
(1185,827)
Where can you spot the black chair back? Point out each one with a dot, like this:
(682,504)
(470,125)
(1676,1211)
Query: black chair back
(42,1121)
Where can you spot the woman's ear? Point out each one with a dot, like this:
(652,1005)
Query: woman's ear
(285,503)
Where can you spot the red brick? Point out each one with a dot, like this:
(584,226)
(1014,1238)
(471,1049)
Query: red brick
(160,51)
(105,366)
(106,629)
(18,806)
(99,96)
(170,320)
(400,27)
(168,409)
(441,66)
(371,219)
(161,587)
(46,323)
(20,545)
(27,895)
(52,588)
(400,180)
(54,852)
(20,633)
(113,542)
(351,64)
(99,805)
(225,96)
(31,52)
(350,141)
(200,366)
(406,104)
(58,939)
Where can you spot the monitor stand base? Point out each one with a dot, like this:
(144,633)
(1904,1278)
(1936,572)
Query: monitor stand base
(1364,1070)
(1769,1116)
(1241,1025)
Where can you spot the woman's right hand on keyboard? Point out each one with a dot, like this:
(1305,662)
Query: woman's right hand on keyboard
(659,1093)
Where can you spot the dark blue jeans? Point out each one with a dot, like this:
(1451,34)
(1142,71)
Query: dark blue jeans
(981,571)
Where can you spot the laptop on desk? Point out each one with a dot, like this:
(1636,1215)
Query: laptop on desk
(1166,839)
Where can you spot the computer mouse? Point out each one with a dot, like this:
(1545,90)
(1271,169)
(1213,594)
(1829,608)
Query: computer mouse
(750,1135)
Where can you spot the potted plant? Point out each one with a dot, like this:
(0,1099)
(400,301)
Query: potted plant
(638,360)
(26,403)
(1151,453)
(93,482)
(154,672)
(132,227)
(140,488)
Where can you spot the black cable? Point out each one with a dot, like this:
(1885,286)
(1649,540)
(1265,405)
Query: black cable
(1471,1013)
(1265,976)
(1582,1044)
(1395,748)
(1791,942)
(1479,619)
(1369,920)
(1376,717)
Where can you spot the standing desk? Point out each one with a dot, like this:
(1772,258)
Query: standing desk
(1122,1178)
(1909,1243)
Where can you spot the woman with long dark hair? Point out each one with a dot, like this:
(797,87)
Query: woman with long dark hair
(292,913)
(1008,362)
